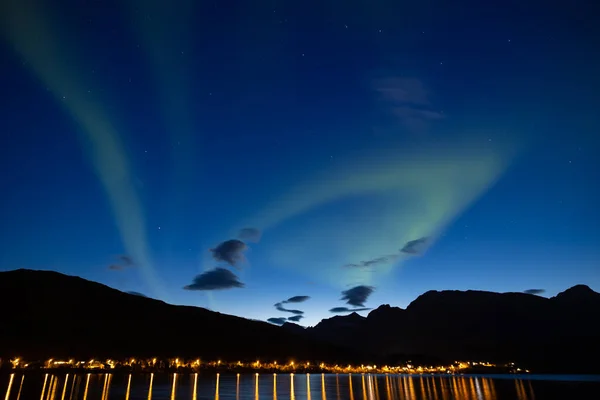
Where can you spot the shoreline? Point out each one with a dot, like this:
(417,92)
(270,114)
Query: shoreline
(245,371)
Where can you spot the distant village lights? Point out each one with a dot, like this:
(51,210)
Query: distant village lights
(194,365)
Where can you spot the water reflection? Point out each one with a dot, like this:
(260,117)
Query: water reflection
(10,382)
(195,387)
(149,387)
(64,391)
(202,386)
(52,391)
(364,389)
(175,385)
(128,390)
(524,393)
(20,387)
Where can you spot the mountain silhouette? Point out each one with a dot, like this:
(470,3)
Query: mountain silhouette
(560,334)
(48,314)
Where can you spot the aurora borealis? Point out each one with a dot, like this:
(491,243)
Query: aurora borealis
(322,137)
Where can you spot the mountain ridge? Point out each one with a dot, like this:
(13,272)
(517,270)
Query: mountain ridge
(548,334)
(48,313)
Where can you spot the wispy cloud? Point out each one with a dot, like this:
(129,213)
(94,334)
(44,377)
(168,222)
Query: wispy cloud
(534,291)
(126,260)
(277,321)
(215,279)
(358,295)
(409,100)
(281,308)
(374,262)
(415,247)
(296,299)
(343,310)
(230,251)
(124,263)
(295,318)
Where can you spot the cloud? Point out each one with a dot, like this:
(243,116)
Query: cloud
(137,294)
(402,90)
(279,307)
(230,251)
(357,295)
(296,299)
(277,321)
(409,100)
(126,260)
(295,318)
(340,310)
(374,262)
(215,279)
(415,247)
(534,291)
(249,235)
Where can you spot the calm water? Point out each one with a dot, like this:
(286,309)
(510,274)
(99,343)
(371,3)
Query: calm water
(284,386)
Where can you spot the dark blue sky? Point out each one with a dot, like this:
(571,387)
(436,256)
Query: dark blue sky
(341,130)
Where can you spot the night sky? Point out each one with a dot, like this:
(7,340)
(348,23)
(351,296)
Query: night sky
(232,155)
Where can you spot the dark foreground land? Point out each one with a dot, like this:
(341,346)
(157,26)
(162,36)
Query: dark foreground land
(50,315)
